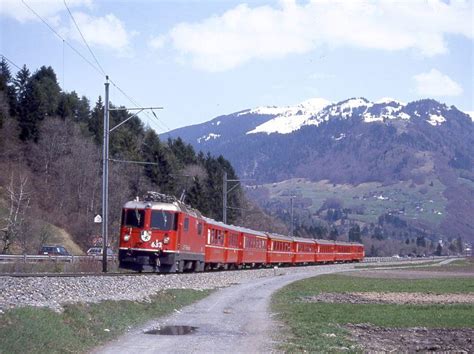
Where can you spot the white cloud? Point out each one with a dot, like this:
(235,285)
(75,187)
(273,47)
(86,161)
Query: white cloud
(100,31)
(242,34)
(435,83)
(107,31)
(157,42)
(45,8)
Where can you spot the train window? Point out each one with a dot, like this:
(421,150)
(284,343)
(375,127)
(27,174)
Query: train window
(162,220)
(133,217)
(186,224)
(200,228)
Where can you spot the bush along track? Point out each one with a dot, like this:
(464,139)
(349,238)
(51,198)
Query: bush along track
(339,312)
(80,327)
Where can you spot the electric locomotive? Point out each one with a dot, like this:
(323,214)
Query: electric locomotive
(161,234)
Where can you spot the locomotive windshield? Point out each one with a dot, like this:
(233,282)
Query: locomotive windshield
(163,220)
(133,217)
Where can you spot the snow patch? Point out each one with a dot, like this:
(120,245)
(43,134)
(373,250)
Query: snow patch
(385,100)
(291,118)
(436,120)
(208,137)
(339,137)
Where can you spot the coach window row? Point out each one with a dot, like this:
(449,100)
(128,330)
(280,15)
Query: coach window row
(281,246)
(216,237)
(305,248)
(253,242)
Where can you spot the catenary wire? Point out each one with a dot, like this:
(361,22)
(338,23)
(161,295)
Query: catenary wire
(83,38)
(99,71)
(11,62)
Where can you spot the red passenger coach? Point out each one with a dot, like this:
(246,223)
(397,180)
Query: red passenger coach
(254,248)
(161,236)
(215,243)
(279,249)
(325,251)
(233,248)
(305,250)
(344,251)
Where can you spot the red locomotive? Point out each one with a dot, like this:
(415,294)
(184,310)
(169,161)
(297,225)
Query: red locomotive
(164,235)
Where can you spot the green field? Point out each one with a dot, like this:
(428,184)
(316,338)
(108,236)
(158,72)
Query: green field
(318,326)
(412,201)
(83,326)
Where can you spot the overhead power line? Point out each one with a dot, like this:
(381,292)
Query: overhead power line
(62,38)
(11,62)
(83,38)
(99,69)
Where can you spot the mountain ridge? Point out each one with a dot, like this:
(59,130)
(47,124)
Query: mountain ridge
(352,142)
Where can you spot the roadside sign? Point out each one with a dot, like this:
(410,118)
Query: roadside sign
(98,219)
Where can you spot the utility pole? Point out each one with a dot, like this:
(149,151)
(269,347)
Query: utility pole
(291,216)
(224,198)
(105,166)
(105,178)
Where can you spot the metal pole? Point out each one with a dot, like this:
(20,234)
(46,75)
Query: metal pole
(224,198)
(105,178)
(291,223)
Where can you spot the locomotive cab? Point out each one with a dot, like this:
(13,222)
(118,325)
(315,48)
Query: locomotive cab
(157,236)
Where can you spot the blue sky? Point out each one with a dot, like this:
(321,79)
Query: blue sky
(201,59)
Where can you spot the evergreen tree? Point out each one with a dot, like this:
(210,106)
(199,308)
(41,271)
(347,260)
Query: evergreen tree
(439,250)
(160,174)
(7,89)
(38,100)
(354,234)
(96,121)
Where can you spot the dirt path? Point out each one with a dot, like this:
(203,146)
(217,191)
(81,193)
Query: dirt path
(234,319)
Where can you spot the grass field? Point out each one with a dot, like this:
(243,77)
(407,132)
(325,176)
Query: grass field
(318,326)
(82,326)
(399,265)
(461,265)
(414,201)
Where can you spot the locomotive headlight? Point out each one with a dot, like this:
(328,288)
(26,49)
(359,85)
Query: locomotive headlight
(126,237)
(145,236)
(166,239)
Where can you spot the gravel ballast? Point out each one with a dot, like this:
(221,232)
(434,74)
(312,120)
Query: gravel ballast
(54,292)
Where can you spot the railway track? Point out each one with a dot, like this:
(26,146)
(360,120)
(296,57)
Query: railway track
(371,260)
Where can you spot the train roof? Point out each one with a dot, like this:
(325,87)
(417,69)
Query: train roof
(344,243)
(234,228)
(175,206)
(325,242)
(304,240)
(279,237)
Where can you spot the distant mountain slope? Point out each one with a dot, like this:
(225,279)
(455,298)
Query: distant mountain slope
(351,142)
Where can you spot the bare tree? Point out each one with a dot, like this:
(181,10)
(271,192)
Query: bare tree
(19,202)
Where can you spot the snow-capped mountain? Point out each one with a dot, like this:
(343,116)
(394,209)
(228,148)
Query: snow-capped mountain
(287,120)
(351,142)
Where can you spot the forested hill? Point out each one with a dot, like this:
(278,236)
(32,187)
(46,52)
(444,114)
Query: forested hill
(50,163)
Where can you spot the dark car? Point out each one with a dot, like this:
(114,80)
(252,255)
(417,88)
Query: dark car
(56,250)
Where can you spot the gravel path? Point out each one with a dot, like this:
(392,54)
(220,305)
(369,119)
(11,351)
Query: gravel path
(55,292)
(234,319)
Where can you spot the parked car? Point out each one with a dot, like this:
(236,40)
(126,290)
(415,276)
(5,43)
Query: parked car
(97,251)
(56,250)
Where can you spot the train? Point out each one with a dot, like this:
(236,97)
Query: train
(162,234)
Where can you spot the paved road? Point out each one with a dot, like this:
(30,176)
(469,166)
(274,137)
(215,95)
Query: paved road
(232,320)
